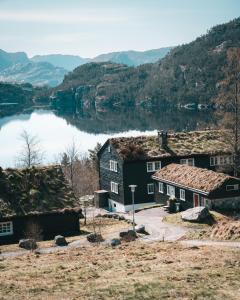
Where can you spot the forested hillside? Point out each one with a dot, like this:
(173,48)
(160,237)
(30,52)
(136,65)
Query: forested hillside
(190,73)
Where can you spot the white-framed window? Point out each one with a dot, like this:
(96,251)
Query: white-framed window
(182,194)
(109,149)
(187,161)
(114,187)
(232,187)
(153,166)
(6,228)
(160,187)
(170,190)
(150,188)
(221,160)
(113,165)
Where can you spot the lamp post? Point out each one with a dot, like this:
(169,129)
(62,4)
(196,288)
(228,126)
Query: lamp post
(133,187)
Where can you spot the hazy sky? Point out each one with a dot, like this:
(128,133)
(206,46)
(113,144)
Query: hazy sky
(91,27)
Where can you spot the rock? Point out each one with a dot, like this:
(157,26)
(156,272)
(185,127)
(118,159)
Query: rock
(121,218)
(60,240)
(123,233)
(28,244)
(196,214)
(115,242)
(140,229)
(128,235)
(94,237)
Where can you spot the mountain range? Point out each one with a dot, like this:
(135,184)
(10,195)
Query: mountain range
(189,74)
(50,69)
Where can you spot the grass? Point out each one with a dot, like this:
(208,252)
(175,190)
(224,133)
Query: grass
(177,220)
(130,271)
(109,227)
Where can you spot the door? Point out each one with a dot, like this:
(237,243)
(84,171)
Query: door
(195,200)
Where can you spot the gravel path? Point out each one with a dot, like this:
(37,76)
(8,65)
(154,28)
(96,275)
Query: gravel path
(152,219)
(211,243)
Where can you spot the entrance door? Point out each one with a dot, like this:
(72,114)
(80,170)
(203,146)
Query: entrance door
(195,200)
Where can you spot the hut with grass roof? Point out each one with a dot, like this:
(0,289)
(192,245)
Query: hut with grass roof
(36,203)
(133,160)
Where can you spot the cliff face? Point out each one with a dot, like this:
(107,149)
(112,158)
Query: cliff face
(34,190)
(190,73)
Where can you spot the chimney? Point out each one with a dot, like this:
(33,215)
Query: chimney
(163,139)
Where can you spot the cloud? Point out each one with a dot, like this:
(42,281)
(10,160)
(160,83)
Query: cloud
(68,17)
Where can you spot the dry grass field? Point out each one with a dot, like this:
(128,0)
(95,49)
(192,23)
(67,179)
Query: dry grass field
(130,271)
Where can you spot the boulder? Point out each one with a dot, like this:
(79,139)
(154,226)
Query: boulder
(196,214)
(140,229)
(94,237)
(115,242)
(128,235)
(28,244)
(60,240)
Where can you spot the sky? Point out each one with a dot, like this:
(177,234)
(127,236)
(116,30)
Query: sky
(92,27)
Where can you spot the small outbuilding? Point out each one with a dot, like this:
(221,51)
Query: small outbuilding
(36,203)
(191,186)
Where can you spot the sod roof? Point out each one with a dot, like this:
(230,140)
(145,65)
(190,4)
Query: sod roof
(193,177)
(210,142)
(34,191)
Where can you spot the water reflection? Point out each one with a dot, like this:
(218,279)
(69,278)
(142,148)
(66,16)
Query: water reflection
(57,130)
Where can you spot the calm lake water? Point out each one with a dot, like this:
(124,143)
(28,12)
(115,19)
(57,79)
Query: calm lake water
(55,135)
(56,131)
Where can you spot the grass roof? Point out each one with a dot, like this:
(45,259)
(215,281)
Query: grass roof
(192,177)
(34,191)
(210,142)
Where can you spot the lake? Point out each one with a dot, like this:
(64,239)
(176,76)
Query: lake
(55,135)
(57,132)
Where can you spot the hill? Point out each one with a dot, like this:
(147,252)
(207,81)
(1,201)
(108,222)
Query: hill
(37,74)
(190,73)
(14,98)
(9,59)
(68,62)
(18,68)
(133,58)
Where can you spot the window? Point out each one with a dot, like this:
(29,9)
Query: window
(109,149)
(150,188)
(113,165)
(221,160)
(187,161)
(182,194)
(6,228)
(170,190)
(153,166)
(160,187)
(233,187)
(114,187)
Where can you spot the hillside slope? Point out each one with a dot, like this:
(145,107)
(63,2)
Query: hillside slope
(18,68)
(188,74)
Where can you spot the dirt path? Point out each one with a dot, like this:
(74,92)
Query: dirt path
(152,219)
(211,243)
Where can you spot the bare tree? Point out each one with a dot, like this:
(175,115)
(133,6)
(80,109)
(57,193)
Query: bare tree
(229,100)
(31,153)
(80,171)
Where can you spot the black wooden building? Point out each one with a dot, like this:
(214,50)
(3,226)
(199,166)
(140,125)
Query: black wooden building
(36,202)
(191,186)
(133,160)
